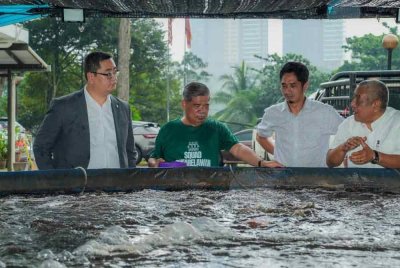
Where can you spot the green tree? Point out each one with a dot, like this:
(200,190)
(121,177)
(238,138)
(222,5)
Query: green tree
(239,94)
(192,68)
(367,53)
(150,71)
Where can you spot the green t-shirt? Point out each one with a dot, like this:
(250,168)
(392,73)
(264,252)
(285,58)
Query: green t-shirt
(196,146)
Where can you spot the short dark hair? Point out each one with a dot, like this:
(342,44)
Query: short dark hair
(195,89)
(92,61)
(377,90)
(298,68)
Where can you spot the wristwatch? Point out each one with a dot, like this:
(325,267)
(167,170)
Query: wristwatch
(375,160)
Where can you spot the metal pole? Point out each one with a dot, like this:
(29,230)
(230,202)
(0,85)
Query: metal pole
(389,63)
(353,85)
(11,122)
(184,59)
(82,74)
(168,86)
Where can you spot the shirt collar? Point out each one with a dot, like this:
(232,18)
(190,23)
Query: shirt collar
(285,106)
(90,100)
(378,122)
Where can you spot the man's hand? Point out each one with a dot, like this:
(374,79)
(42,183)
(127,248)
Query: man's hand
(337,155)
(352,143)
(363,156)
(153,162)
(271,164)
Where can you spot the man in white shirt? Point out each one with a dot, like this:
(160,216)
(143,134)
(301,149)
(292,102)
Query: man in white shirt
(89,128)
(302,127)
(370,137)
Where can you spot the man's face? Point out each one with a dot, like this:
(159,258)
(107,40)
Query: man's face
(105,78)
(362,106)
(292,89)
(196,110)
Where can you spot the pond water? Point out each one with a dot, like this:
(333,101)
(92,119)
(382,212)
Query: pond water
(239,228)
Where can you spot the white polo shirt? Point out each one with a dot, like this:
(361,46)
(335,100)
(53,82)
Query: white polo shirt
(103,140)
(384,136)
(301,140)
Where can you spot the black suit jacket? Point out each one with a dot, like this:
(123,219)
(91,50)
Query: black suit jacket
(63,139)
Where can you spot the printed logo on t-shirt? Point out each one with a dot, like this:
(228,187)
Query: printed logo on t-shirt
(194,157)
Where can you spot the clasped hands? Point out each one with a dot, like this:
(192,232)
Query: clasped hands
(363,156)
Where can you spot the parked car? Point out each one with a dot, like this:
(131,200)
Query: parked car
(145,134)
(4,125)
(244,137)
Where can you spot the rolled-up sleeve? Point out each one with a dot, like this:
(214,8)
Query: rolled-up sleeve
(265,127)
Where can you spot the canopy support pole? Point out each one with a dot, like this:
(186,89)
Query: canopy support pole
(11,120)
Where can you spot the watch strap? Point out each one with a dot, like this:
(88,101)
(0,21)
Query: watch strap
(375,160)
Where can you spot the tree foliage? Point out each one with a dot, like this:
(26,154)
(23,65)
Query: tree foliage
(239,94)
(149,70)
(192,68)
(368,54)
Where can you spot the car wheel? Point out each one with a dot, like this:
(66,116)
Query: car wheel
(139,155)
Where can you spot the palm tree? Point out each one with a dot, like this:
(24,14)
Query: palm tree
(238,93)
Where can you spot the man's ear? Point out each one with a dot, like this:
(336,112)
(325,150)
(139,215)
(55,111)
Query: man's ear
(183,104)
(305,86)
(377,104)
(89,76)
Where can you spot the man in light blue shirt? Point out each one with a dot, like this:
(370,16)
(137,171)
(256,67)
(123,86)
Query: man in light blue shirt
(301,127)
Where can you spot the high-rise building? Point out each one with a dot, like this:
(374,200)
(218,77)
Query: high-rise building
(320,41)
(244,39)
(225,43)
(208,44)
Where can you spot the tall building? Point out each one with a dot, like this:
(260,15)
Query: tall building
(224,43)
(208,44)
(244,39)
(320,41)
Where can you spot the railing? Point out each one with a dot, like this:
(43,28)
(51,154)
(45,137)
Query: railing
(338,92)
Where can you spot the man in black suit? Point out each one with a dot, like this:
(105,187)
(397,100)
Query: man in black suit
(89,128)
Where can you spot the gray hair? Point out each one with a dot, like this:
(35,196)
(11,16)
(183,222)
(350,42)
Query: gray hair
(195,89)
(377,90)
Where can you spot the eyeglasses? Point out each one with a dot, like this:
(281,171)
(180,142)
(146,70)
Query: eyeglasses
(109,75)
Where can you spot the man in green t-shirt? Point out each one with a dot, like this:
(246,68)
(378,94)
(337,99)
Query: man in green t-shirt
(197,140)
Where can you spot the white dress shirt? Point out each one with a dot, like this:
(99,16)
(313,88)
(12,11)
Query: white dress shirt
(103,140)
(301,140)
(384,136)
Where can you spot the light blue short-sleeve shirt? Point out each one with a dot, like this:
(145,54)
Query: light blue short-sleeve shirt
(301,140)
